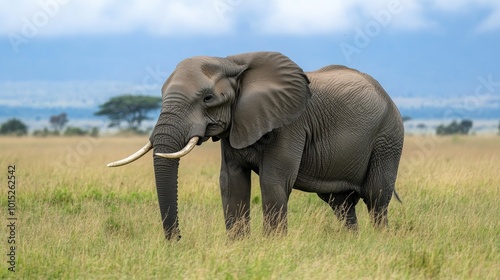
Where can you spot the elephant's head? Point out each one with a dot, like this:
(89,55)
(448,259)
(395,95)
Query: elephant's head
(239,97)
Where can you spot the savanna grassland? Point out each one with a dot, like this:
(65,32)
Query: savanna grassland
(78,219)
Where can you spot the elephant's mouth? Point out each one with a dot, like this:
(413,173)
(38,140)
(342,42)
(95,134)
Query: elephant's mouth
(202,139)
(215,129)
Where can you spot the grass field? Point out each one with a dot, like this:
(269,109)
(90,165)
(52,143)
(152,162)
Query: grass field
(78,219)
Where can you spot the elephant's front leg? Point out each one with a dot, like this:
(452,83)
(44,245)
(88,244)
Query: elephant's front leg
(274,207)
(235,191)
(278,171)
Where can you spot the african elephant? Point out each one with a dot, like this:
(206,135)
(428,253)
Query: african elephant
(334,132)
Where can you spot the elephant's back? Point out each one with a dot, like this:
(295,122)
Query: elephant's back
(348,92)
(340,80)
(347,95)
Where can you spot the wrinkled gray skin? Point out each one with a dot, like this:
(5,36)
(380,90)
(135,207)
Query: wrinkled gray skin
(334,132)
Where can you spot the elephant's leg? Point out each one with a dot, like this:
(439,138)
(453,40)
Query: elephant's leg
(344,206)
(278,171)
(274,208)
(376,193)
(377,207)
(378,188)
(235,191)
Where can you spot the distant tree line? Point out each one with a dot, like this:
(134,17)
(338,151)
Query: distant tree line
(58,122)
(455,127)
(69,131)
(127,109)
(15,127)
(134,109)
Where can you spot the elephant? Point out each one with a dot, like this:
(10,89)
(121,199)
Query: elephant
(334,131)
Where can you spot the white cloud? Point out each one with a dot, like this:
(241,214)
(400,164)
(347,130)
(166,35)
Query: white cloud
(492,21)
(305,17)
(324,16)
(412,16)
(65,17)
(491,7)
(188,17)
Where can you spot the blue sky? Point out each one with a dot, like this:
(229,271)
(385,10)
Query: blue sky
(420,51)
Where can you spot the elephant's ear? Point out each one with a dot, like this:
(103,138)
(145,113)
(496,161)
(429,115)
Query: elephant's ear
(272,92)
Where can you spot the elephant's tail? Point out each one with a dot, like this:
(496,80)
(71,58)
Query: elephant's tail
(397,196)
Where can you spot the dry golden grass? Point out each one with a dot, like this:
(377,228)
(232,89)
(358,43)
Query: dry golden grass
(80,219)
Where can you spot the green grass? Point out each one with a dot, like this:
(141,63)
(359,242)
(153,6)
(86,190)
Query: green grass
(80,219)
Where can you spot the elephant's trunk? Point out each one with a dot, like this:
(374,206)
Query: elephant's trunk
(168,137)
(166,187)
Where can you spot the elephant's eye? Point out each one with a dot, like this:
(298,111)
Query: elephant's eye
(208,98)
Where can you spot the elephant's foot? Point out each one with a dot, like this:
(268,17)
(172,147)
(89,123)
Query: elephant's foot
(172,235)
(275,231)
(351,223)
(344,207)
(347,216)
(275,223)
(377,207)
(379,218)
(238,229)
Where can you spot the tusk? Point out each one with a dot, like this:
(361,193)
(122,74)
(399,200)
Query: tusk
(183,152)
(133,157)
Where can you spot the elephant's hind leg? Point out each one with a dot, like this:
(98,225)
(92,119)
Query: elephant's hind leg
(344,206)
(378,188)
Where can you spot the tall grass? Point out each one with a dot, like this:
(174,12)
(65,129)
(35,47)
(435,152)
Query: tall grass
(80,219)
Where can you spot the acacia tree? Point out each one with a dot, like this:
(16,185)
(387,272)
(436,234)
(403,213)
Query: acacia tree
(58,121)
(131,109)
(13,127)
